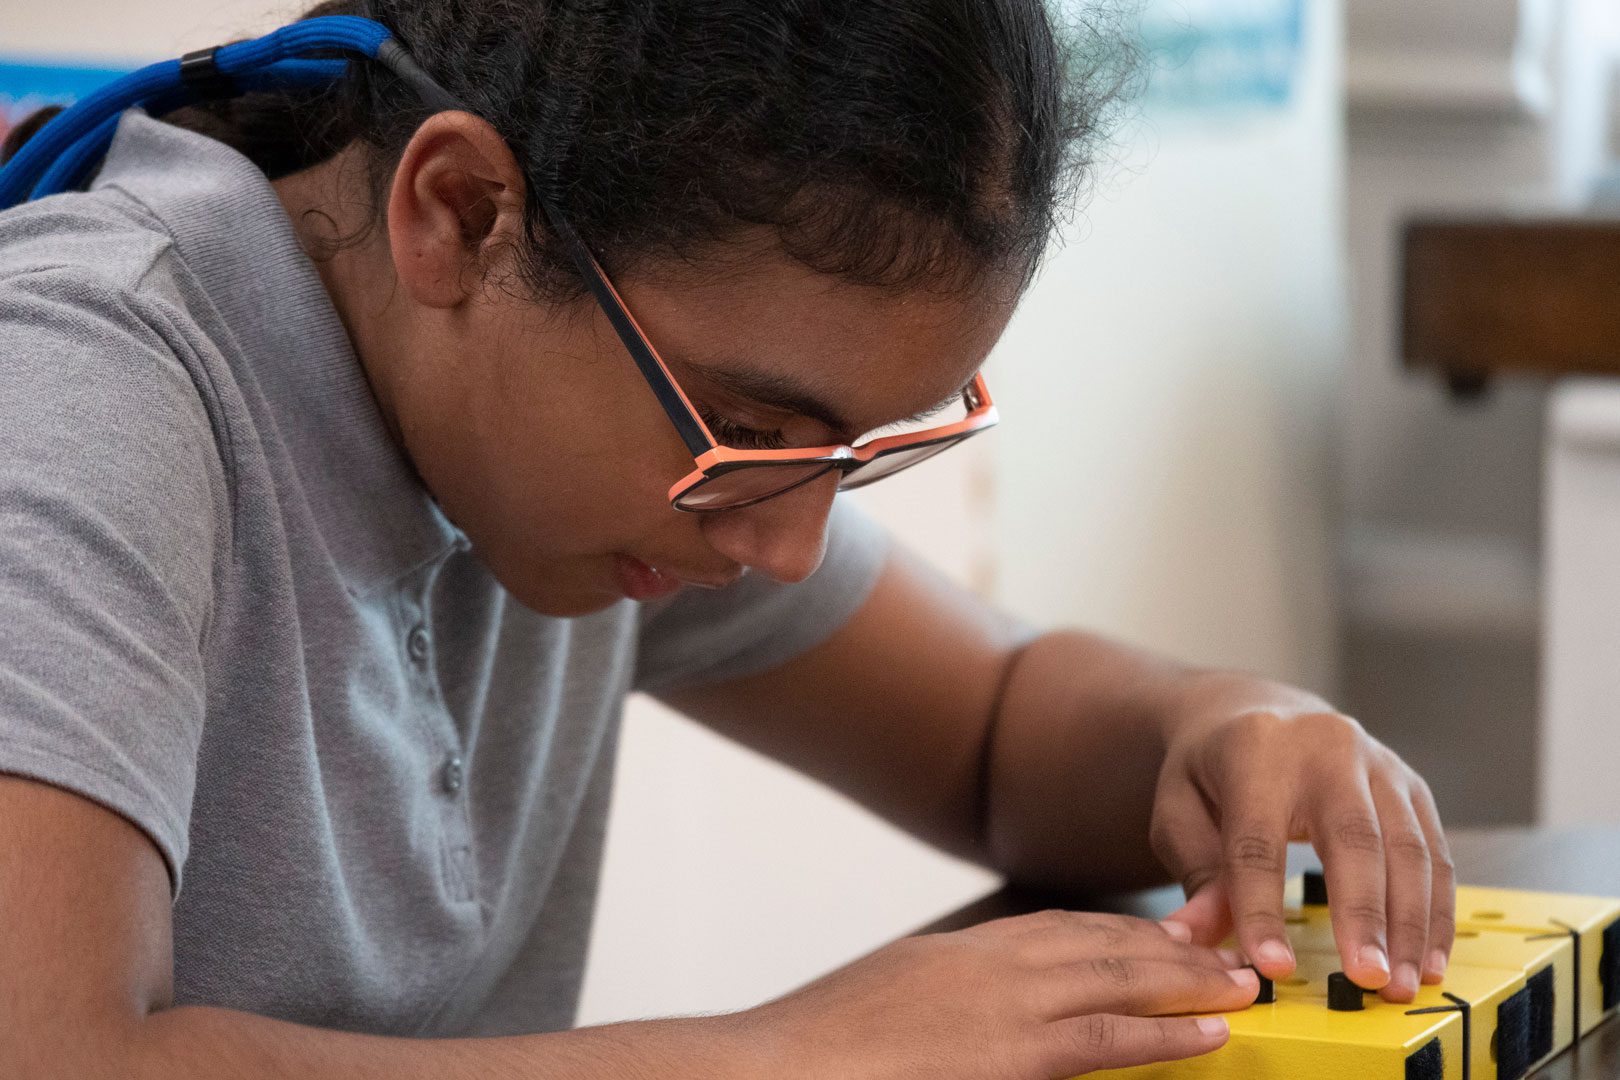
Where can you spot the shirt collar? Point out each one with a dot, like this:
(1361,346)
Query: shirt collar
(279,331)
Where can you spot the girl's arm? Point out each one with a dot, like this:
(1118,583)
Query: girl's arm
(86,975)
(1079,764)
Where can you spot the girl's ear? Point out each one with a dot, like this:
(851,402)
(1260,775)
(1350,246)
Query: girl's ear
(457,198)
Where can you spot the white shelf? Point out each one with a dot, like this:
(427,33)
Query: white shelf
(1491,58)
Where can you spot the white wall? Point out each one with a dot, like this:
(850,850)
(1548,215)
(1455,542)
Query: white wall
(136,30)
(1164,469)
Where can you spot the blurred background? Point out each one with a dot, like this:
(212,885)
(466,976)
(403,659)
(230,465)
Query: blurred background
(1213,444)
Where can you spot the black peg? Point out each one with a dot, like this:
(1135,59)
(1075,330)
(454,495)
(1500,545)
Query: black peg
(1315,888)
(1343,995)
(1268,989)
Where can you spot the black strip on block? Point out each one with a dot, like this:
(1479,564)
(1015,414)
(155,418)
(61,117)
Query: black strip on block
(1426,1062)
(1609,966)
(1468,1031)
(1511,1042)
(1543,1007)
(1457,1005)
(1315,887)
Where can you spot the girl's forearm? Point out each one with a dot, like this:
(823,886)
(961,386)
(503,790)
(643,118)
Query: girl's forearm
(200,1043)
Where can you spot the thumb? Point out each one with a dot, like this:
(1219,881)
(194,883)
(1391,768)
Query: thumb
(1188,843)
(1207,914)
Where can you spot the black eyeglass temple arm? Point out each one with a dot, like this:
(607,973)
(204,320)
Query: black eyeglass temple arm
(393,56)
(669,397)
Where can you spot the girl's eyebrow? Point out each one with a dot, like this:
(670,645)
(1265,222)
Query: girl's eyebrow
(779,391)
(772,389)
(945,403)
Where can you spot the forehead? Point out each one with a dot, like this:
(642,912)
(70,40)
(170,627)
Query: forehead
(879,354)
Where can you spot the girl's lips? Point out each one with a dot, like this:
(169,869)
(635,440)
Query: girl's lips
(641,582)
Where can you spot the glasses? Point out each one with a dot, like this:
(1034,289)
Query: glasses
(728,478)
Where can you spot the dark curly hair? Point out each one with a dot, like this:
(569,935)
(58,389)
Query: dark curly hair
(893,143)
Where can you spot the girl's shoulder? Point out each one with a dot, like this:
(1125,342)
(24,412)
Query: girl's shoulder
(106,389)
(105,236)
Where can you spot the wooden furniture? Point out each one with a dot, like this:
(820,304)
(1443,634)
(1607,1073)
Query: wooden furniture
(1497,296)
(1555,860)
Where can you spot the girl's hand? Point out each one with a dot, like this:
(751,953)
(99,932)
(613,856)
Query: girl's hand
(1035,997)
(1251,765)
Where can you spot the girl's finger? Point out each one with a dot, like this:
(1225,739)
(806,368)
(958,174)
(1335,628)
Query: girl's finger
(1133,987)
(1100,1041)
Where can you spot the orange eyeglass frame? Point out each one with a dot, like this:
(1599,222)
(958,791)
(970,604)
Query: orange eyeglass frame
(711,458)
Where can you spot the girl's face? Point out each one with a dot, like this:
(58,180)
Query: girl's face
(535,430)
(542,441)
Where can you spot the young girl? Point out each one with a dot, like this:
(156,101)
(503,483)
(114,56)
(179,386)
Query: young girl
(364,442)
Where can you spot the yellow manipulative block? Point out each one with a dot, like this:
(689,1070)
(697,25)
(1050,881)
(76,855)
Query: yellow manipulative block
(1590,923)
(1548,966)
(1536,970)
(1299,1036)
(1499,1018)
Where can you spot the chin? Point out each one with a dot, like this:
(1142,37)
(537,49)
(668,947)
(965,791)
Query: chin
(562,589)
(561,599)
(573,608)
(564,602)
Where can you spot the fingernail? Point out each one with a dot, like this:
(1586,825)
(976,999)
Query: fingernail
(1178,930)
(1232,958)
(1372,956)
(1245,977)
(1274,952)
(1437,963)
(1213,1026)
(1405,978)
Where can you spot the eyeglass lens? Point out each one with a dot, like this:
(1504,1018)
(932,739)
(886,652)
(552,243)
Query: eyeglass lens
(742,487)
(891,463)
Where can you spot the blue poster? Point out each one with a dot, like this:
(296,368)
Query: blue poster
(1222,54)
(30,84)
(1228,56)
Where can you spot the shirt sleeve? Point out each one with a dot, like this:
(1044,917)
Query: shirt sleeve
(705,636)
(111,500)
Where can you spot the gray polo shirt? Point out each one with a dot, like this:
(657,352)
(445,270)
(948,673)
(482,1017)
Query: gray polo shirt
(230,611)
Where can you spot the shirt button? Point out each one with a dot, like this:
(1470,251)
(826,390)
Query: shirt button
(452,775)
(416,643)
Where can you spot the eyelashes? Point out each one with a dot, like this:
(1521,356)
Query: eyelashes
(739,437)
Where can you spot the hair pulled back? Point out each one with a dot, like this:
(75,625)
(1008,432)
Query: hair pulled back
(893,143)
